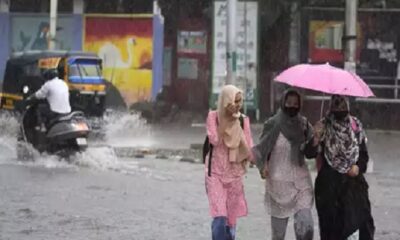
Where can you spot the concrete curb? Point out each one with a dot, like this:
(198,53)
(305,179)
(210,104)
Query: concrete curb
(183,155)
(192,155)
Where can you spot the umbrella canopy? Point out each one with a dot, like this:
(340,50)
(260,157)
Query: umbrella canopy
(325,78)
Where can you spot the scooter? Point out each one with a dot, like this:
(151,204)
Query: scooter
(64,135)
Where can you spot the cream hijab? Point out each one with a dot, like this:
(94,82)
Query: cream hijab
(233,135)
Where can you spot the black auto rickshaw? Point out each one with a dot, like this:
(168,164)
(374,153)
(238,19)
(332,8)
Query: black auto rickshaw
(81,70)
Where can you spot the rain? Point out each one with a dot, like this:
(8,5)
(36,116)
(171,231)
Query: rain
(175,119)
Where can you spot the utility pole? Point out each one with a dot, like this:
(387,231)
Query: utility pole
(350,54)
(351,35)
(156,8)
(53,24)
(294,44)
(231,54)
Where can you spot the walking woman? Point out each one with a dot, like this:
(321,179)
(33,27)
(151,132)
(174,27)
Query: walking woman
(341,190)
(286,139)
(229,134)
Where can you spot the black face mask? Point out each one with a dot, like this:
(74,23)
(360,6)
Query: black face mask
(340,115)
(291,111)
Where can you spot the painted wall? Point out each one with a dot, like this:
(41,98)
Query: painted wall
(131,46)
(126,46)
(31,32)
(325,41)
(22,32)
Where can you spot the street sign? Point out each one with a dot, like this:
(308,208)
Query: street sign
(247,49)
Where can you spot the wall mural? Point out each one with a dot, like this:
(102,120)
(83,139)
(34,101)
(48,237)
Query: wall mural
(126,46)
(32,33)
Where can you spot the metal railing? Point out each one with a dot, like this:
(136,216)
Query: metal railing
(395,87)
(368,100)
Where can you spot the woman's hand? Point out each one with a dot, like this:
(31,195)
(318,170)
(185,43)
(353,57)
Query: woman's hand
(265,172)
(231,110)
(252,158)
(318,131)
(354,171)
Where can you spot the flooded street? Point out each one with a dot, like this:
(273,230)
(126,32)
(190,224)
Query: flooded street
(159,199)
(98,196)
(82,203)
(101,196)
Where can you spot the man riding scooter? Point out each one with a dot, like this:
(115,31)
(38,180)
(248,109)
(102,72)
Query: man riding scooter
(56,92)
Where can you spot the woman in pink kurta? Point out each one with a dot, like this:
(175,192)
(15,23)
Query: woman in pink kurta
(229,133)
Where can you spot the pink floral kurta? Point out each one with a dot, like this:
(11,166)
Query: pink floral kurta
(225,186)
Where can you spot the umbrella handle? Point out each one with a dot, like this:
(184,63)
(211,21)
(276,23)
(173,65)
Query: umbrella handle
(322,107)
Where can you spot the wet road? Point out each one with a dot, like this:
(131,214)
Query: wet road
(153,201)
(103,197)
(140,199)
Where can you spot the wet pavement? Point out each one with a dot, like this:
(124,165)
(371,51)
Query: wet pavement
(106,196)
(151,199)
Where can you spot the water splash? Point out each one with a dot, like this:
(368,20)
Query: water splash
(118,126)
(7,149)
(100,158)
(124,125)
(48,161)
(9,125)
(8,136)
(103,158)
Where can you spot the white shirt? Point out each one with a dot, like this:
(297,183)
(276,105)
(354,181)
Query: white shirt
(56,92)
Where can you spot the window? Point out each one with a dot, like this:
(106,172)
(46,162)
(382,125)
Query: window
(89,70)
(32,70)
(84,70)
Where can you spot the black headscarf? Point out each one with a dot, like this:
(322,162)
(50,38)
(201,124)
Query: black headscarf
(296,130)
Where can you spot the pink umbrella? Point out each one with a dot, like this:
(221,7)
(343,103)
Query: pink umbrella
(326,79)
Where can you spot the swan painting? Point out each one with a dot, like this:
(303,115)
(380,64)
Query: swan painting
(111,55)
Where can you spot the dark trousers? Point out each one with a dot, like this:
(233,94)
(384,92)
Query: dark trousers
(45,115)
(220,229)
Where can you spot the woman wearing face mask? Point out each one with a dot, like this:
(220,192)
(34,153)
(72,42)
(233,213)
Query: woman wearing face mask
(341,191)
(284,143)
(232,144)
